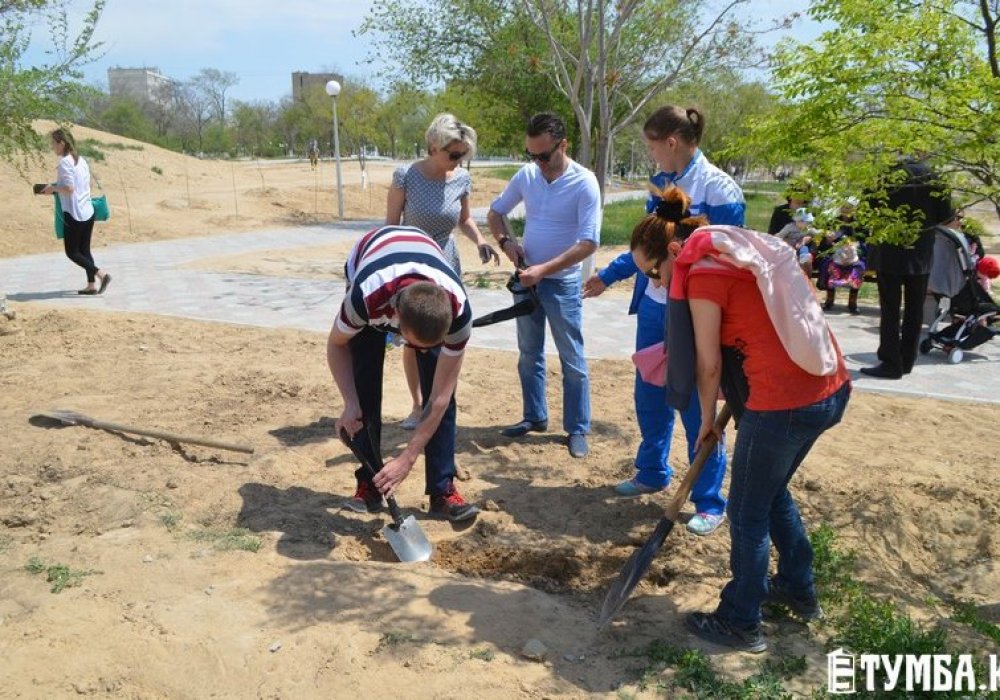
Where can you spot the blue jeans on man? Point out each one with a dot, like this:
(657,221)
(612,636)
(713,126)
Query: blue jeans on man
(561,304)
(770,446)
(656,424)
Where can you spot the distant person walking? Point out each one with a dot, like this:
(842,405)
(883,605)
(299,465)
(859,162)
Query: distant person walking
(433,195)
(73,187)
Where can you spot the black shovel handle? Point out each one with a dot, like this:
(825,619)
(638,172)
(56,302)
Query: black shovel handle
(397,515)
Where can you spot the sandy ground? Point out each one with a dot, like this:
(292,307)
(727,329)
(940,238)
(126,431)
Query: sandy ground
(322,610)
(194,197)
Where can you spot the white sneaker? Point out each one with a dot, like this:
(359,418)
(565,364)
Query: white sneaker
(703,524)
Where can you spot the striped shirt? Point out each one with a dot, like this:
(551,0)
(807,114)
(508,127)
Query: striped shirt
(386,261)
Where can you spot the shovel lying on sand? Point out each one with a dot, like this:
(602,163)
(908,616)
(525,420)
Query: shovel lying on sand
(637,565)
(404,535)
(74,418)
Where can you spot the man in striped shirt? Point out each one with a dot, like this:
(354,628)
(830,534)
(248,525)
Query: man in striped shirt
(399,282)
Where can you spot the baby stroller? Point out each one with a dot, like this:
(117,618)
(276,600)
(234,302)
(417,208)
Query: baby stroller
(965,306)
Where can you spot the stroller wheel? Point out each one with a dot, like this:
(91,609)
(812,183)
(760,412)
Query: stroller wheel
(955,356)
(926,345)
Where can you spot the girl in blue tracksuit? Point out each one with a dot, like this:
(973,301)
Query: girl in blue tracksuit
(672,135)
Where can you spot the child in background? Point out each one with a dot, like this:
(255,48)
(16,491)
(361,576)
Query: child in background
(799,234)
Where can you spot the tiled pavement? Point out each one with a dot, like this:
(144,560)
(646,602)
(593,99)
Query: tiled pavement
(155,278)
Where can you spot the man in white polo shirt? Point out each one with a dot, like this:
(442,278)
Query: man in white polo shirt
(562,205)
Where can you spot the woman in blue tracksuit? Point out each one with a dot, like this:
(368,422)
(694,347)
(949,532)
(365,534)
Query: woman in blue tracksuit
(672,135)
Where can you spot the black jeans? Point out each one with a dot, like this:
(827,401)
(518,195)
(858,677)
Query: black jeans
(368,356)
(76,242)
(897,350)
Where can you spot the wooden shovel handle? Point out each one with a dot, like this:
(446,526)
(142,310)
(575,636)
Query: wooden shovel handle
(707,447)
(169,437)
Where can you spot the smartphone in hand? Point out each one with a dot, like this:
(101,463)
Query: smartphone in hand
(38,188)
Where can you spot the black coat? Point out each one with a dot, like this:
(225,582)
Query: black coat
(928,199)
(780,217)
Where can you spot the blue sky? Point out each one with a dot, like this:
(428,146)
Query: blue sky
(263,41)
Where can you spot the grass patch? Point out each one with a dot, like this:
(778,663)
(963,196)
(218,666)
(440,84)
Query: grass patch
(482,654)
(237,539)
(621,217)
(833,568)
(157,169)
(59,575)
(694,674)
(90,149)
(394,639)
(499,172)
(968,614)
(171,519)
(619,220)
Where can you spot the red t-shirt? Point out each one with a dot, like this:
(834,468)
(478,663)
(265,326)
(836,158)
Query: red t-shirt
(776,382)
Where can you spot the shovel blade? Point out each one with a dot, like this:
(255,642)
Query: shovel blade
(408,540)
(633,571)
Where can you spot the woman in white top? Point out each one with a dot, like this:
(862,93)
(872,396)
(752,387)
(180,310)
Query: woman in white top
(433,195)
(73,187)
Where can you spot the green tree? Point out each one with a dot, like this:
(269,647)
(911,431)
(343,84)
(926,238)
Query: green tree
(602,60)
(125,117)
(214,85)
(890,78)
(40,91)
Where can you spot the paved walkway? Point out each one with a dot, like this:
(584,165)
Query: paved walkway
(155,278)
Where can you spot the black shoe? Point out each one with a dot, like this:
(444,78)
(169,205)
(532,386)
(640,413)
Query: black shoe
(881,372)
(105,281)
(524,427)
(711,628)
(827,306)
(804,607)
(366,499)
(855,311)
(452,507)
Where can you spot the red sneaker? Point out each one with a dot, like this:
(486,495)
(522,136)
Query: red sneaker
(366,499)
(452,506)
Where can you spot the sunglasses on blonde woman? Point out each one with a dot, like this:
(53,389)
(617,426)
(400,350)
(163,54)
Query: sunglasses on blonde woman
(455,156)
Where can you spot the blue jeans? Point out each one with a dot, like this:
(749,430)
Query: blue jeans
(656,424)
(562,305)
(770,446)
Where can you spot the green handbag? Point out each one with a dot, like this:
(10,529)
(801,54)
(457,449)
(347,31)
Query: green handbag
(102,212)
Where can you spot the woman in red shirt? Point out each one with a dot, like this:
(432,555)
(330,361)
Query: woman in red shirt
(785,379)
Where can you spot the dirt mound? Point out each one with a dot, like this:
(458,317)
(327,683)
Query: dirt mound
(157,194)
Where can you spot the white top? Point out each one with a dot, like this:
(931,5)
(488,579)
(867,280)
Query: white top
(77,175)
(657,294)
(558,214)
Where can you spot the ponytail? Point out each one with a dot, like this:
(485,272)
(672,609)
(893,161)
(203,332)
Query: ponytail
(688,124)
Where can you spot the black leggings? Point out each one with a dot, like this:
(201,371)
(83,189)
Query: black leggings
(76,240)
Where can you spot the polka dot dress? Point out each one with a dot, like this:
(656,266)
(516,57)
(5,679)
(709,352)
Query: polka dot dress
(434,206)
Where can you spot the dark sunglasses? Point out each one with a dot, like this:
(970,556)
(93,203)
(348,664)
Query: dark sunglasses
(542,157)
(454,156)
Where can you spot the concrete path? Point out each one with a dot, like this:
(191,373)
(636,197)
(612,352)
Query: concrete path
(155,278)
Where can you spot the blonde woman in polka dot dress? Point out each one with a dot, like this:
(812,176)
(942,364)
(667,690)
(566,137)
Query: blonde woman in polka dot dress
(433,195)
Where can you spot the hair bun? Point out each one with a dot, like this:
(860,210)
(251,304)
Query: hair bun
(670,209)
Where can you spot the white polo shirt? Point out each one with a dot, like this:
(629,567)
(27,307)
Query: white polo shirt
(558,214)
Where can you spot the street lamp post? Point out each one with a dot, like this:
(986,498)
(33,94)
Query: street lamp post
(333,89)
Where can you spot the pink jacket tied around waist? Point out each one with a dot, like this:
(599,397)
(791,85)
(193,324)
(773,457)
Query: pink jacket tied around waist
(786,291)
